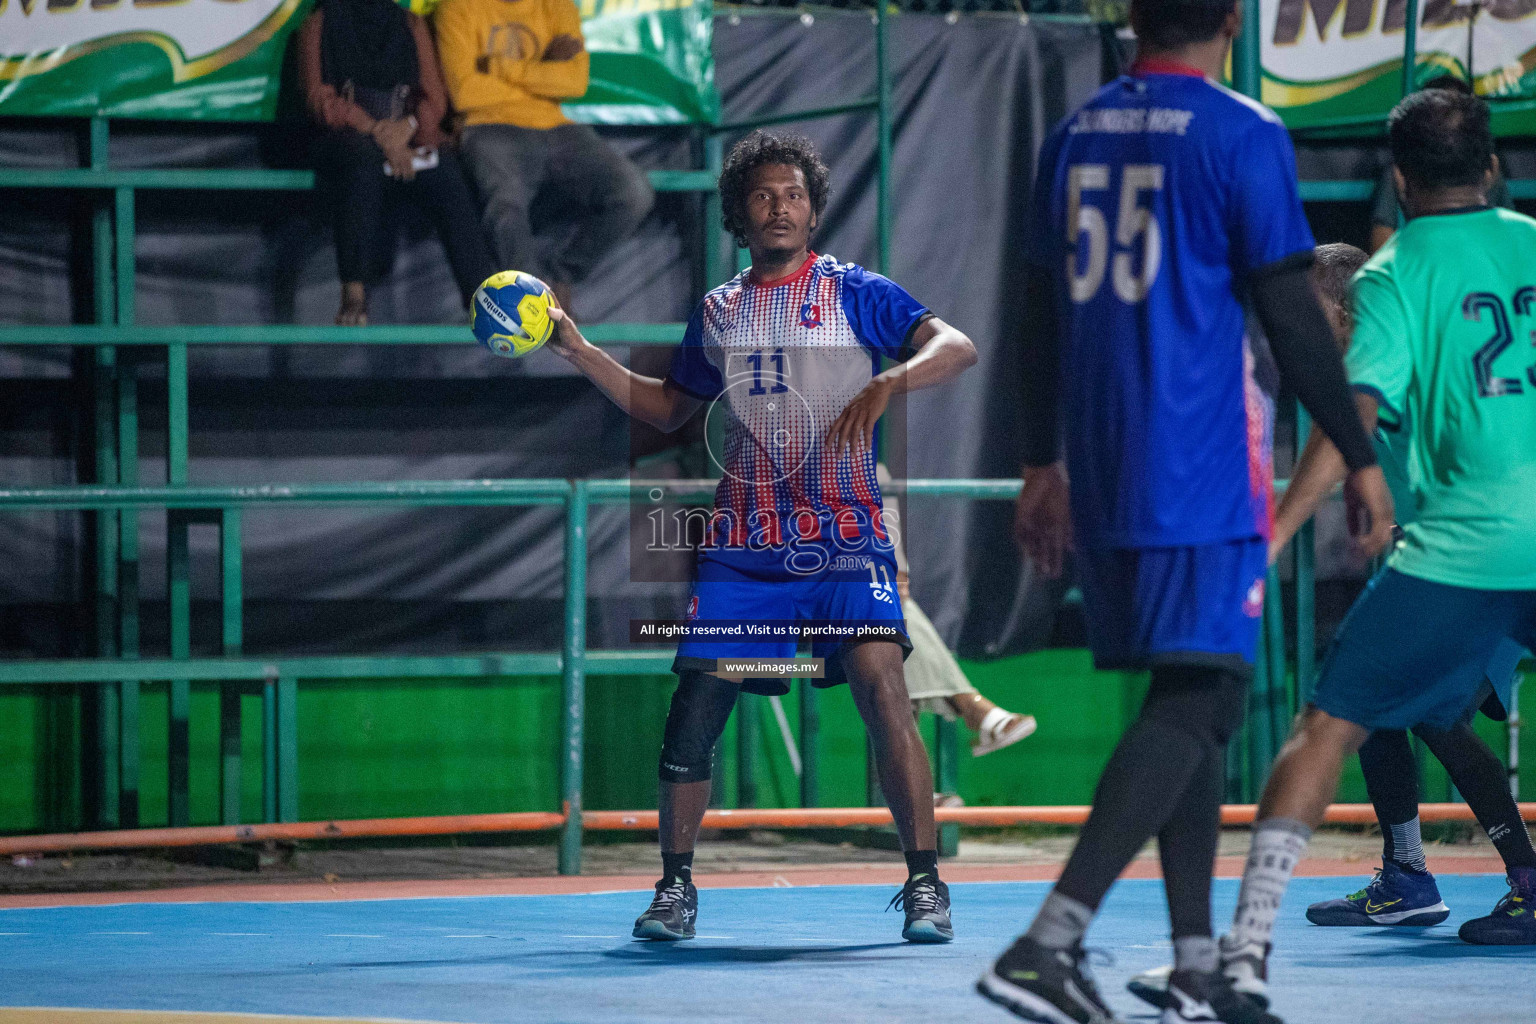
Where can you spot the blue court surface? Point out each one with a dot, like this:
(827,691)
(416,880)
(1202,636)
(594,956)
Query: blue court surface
(807,954)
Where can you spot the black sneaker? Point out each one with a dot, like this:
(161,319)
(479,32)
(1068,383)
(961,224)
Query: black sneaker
(926,901)
(671,913)
(1202,996)
(1513,921)
(1152,986)
(1051,986)
(1246,966)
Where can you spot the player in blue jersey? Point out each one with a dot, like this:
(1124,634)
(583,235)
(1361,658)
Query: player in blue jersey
(789,353)
(1158,207)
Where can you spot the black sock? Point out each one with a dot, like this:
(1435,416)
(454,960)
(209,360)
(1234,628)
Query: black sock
(922,862)
(1186,847)
(1177,741)
(677,865)
(1479,775)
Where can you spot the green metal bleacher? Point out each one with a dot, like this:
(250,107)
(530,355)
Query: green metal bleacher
(117,498)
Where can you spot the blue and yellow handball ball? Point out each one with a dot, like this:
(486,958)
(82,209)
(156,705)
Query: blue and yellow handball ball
(510,313)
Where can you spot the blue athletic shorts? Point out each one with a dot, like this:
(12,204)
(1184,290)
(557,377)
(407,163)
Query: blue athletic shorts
(854,592)
(1199,606)
(1411,652)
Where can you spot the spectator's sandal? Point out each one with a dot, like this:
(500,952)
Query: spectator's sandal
(1001,729)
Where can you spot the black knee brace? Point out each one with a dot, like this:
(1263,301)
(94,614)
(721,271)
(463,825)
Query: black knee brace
(1207,702)
(700,707)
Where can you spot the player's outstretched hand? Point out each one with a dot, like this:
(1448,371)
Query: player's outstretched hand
(854,428)
(1042,519)
(566,339)
(1368,505)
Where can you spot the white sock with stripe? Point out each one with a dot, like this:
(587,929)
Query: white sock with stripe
(1408,845)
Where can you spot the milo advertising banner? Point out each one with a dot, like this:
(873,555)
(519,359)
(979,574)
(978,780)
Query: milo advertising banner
(223,59)
(1340,62)
(652,62)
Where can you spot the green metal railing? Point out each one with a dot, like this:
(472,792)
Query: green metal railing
(1320,191)
(279,675)
(119,347)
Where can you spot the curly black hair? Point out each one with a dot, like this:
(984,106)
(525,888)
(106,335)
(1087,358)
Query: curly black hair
(754,151)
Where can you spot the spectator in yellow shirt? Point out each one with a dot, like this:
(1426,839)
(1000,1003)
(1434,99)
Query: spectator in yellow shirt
(508,64)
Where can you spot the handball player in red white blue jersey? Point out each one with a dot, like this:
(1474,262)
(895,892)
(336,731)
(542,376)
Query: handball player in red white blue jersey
(789,353)
(1161,208)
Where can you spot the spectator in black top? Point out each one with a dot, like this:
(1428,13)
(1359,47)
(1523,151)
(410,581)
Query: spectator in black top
(1387,211)
(372,81)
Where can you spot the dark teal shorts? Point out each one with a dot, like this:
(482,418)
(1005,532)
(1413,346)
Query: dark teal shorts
(1412,652)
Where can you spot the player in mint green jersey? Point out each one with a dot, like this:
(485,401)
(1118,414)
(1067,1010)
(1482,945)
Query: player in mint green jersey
(1444,319)
(1404,891)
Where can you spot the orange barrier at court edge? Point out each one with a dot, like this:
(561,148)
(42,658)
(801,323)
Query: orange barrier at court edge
(221,835)
(621,821)
(980,817)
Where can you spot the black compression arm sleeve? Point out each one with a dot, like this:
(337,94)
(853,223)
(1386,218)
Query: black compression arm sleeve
(1040,371)
(1304,350)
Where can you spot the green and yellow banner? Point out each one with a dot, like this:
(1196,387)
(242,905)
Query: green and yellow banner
(1339,63)
(223,59)
(652,62)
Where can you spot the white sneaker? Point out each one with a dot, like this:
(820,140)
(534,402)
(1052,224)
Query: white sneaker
(1151,987)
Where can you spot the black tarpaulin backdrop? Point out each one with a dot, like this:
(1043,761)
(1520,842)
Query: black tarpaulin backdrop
(974,99)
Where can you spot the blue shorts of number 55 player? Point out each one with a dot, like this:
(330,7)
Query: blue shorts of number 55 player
(1198,606)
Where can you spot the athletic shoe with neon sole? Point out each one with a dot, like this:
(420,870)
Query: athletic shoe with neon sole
(672,912)
(1513,921)
(1396,896)
(1210,997)
(926,902)
(1049,986)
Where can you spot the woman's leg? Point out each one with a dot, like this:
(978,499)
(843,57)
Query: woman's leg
(353,165)
(445,193)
